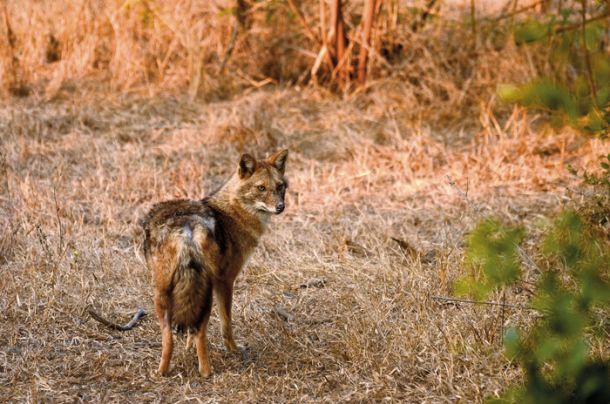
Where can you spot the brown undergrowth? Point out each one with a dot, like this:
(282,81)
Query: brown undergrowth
(336,304)
(55,49)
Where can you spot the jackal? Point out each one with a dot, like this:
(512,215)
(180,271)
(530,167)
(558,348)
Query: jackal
(196,247)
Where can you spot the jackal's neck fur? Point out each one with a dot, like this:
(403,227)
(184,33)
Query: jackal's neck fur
(246,219)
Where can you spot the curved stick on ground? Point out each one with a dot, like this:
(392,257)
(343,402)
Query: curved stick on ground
(132,323)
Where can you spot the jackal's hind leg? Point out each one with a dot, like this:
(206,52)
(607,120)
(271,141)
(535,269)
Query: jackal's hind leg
(189,339)
(167,343)
(202,344)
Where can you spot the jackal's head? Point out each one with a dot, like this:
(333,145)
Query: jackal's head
(262,184)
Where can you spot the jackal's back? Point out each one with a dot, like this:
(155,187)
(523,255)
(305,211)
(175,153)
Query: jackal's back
(173,216)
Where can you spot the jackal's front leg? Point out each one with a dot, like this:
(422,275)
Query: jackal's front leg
(224,295)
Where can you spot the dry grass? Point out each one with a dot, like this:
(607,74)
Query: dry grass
(330,307)
(77,177)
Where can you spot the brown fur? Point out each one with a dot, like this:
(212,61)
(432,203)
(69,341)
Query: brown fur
(196,249)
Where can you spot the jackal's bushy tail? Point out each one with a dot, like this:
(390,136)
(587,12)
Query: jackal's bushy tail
(192,283)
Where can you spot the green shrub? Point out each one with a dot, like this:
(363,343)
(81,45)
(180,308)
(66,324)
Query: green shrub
(573,296)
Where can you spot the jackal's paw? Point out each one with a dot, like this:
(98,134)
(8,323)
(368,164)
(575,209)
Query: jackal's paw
(205,372)
(231,345)
(163,370)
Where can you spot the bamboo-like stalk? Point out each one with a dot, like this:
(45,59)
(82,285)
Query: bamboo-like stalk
(11,77)
(473,22)
(369,16)
(339,42)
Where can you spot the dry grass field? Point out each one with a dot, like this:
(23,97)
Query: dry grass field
(338,302)
(330,306)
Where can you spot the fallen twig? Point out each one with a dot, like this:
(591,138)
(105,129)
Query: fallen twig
(313,283)
(459,191)
(60,245)
(406,247)
(453,300)
(283,314)
(132,323)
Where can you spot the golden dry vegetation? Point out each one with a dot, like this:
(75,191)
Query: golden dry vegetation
(337,304)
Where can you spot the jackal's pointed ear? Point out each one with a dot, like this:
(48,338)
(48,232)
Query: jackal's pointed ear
(247,165)
(278,160)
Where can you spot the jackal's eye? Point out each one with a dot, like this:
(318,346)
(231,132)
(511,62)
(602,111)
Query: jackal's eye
(280,187)
(262,188)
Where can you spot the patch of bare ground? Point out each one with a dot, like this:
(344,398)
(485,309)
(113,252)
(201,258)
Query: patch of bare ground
(335,305)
